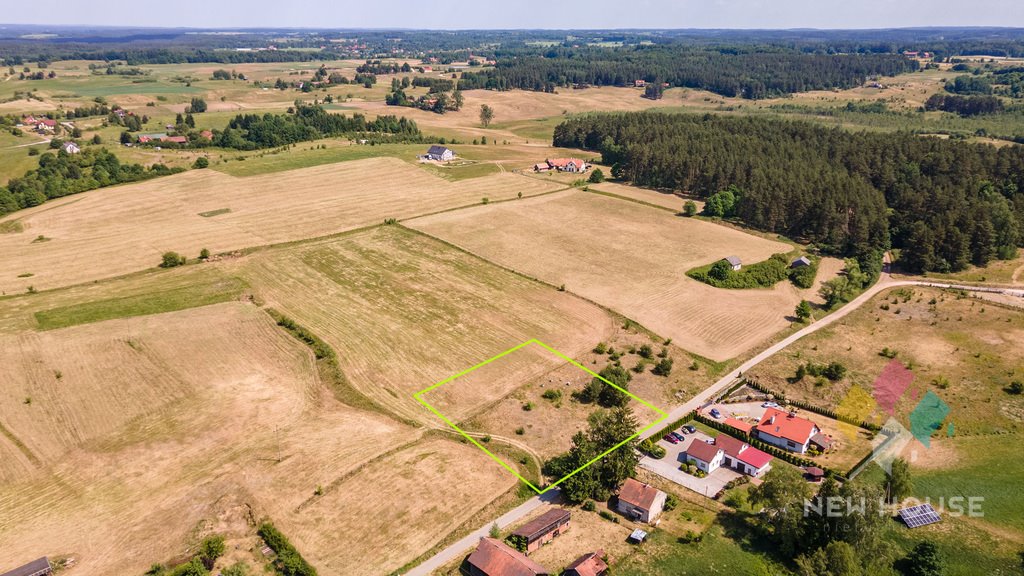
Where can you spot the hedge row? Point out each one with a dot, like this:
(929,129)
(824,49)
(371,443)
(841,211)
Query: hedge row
(289,562)
(320,348)
(812,408)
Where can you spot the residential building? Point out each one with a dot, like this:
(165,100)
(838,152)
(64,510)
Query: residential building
(492,557)
(786,430)
(70,147)
(440,153)
(640,502)
(574,165)
(731,453)
(707,457)
(541,530)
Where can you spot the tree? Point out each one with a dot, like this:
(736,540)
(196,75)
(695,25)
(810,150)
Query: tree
(803,310)
(495,532)
(190,121)
(237,569)
(596,177)
(898,484)
(211,548)
(201,162)
(604,394)
(486,115)
(923,560)
(782,494)
(720,270)
(97,139)
(836,559)
(663,367)
(198,105)
(690,208)
(172,259)
(204,254)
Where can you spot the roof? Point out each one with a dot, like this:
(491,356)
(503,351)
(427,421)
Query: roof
(563,162)
(702,451)
(821,440)
(638,535)
(739,425)
(743,452)
(206,134)
(814,471)
(48,122)
(638,494)
(178,139)
(734,260)
(543,524)
(494,558)
(801,261)
(786,426)
(589,564)
(438,150)
(33,568)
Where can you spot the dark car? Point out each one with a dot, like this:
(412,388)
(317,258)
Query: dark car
(671,439)
(715,413)
(688,429)
(677,436)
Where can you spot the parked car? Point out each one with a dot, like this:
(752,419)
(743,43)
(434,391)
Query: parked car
(689,429)
(671,439)
(677,436)
(715,413)
(770,405)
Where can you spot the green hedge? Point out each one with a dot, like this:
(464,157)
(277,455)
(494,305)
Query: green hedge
(289,562)
(764,274)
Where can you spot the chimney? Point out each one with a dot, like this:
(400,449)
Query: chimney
(772,419)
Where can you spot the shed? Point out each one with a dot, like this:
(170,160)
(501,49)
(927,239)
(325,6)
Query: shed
(541,530)
(800,262)
(37,567)
(814,473)
(637,536)
(821,441)
(735,262)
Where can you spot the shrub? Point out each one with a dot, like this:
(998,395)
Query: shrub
(172,259)
(645,351)
(589,506)
(211,548)
(520,431)
(670,502)
(528,406)
(596,177)
(601,348)
(201,162)
(663,368)
(289,562)
(1016,387)
(204,254)
(690,208)
(553,395)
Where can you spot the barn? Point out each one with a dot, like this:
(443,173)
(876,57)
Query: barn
(541,530)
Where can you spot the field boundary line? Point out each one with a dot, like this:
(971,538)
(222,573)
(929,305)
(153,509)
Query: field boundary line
(19,444)
(418,396)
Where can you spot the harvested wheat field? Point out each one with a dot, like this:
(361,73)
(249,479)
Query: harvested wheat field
(404,311)
(137,429)
(632,258)
(664,199)
(113,231)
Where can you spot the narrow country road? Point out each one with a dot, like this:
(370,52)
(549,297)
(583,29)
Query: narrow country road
(885,282)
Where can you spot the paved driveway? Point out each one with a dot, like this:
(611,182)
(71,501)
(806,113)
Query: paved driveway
(668,467)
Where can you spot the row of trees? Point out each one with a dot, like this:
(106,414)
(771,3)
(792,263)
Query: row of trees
(746,71)
(946,204)
(63,174)
(964,105)
(309,122)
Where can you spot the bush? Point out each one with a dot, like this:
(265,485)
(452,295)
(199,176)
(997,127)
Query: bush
(1016,387)
(589,506)
(172,259)
(204,254)
(645,351)
(803,277)
(528,406)
(601,348)
(663,367)
(289,562)
(596,177)
(201,162)
(520,431)
(670,502)
(553,395)
(690,208)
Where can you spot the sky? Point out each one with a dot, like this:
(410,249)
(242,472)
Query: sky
(481,14)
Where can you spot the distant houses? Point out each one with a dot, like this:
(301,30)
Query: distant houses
(640,502)
(574,165)
(38,567)
(439,154)
(41,125)
(540,530)
(788,431)
(493,557)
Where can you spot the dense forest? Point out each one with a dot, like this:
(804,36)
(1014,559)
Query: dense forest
(946,204)
(63,174)
(749,72)
(252,131)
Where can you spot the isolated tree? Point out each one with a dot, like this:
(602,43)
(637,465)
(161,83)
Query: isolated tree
(179,119)
(486,115)
(663,367)
(198,105)
(211,548)
(201,162)
(126,138)
(596,177)
(190,121)
(457,100)
(204,254)
(690,208)
(803,310)
(898,484)
(495,532)
(923,560)
(605,394)
(782,494)
(172,259)
(96,139)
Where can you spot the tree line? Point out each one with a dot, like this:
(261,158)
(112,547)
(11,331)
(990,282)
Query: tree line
(63,174)
(746,71)
(946,204)
(309,122)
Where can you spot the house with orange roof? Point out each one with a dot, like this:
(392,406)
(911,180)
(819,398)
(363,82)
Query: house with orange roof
(493,557)
(640,502)
(786,430)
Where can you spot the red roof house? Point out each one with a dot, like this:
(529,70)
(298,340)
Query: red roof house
(590,564)
(743,457)
(639,501)
(786,430)
(707,457)
(494,558)
(206,134)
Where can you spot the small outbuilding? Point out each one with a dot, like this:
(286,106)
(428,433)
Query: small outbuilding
(541,530)
(70,147)
(814,474)
(734,262)
(492,557)
(800,262)
(637,536)
(590,564)
(37,567)
(640,502)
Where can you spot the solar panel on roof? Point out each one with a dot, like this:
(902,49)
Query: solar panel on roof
(920,515)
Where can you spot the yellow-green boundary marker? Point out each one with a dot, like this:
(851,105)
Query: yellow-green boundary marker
(419,398)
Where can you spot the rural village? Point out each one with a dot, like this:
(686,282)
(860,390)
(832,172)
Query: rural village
(511,302)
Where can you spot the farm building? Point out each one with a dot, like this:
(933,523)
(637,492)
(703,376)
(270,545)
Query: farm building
(540,530)
(731,453)
(38,567)
(573,165)
(590,564)
(541,167)
(639,501)
(206,134)
(439,153)
(800,262)
(640,83)
(70,148)
(786,430)
(493,558)
(735,262)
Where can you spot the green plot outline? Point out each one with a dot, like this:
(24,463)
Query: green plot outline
(419,398)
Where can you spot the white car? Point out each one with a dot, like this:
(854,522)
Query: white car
(770,405)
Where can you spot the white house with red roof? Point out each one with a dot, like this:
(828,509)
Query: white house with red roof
(565,165)
(731,453)
(786,430)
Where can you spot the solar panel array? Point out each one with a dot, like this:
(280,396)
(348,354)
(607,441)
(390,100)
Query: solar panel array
(920,515)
